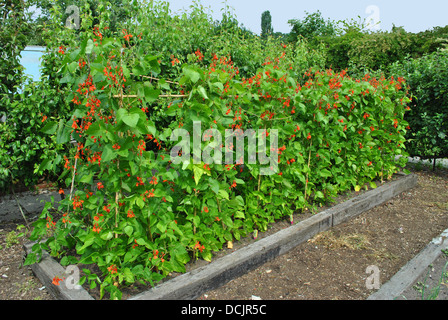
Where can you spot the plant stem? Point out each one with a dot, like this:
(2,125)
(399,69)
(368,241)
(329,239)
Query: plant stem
(149,227)
(153,78)
(116,213)
(74,172)
(73,179)
(306,179)
(194,226)
(18,203)
(160,96)
(219,210)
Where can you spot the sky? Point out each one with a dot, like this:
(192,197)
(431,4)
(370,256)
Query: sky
(414,16)
(30,61)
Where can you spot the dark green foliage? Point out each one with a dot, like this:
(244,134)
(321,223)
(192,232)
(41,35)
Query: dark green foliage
(314,25)
(12,41)
(427,78)
(119,10)
(349,44)
(266,25)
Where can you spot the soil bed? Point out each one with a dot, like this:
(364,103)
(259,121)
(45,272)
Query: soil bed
(332,265)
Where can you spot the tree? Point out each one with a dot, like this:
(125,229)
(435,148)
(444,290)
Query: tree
(118,10)
(13,26)
(314,25)
(266,25)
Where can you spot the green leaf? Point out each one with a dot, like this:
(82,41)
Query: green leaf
(134,168)
(207,255)
(142,242)
(239,215)
(319,195)
(140,203)
(45,165)
(95,129)
(72,66)
(108,154)
(31,258)
(194,76)
(107,236)
(128,275)
(198,171)
(151,127)
(131,119)
(86,178)
(120,114)
(89,46)
(196,221)
(239,181)
(128,230)
(50,127)
(223,194)
(125,186)
(202,92)
(66,79)
(151,94)
(90,239)
(126,72)
(214,185)
(219,85)
(180,254)
(63,133)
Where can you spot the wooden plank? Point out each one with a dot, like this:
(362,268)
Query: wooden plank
(48,269)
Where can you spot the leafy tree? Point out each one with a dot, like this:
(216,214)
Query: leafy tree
(118,11)
(357,48)
(427,81)
(266,25)
(24,104)
(312,26)
(13,24)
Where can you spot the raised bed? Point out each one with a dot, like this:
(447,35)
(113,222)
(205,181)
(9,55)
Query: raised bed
(408,274)
(31,202)
(193,284)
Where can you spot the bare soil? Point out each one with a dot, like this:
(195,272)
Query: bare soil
(330,266)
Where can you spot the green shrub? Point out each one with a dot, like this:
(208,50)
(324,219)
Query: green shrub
(311,27)
(349,44)
(427,78)
(23,145)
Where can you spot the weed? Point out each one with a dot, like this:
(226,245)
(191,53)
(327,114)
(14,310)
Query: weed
(12,237)
(433,293)
(352,241)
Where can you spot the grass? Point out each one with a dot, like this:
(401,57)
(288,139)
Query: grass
(12,237)
(433,293)
(352,241)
